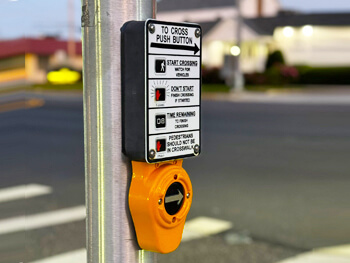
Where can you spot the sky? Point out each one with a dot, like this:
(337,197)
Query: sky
(317,5)
(36,17)
(49,17)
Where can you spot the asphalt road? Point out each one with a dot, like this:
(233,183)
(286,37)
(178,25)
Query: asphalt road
(279,172)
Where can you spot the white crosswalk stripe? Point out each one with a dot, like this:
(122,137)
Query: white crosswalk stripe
(52,218)
(195,228)
(337,254)
(204,226)
(23,191)
(76,256)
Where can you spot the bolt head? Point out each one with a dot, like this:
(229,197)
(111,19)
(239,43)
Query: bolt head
(188,195)
(197,33)
(151,28)
(160,201)
(196,149)
(152,154)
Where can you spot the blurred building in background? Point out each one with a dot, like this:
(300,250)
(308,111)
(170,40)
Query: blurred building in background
(27,61)
(316,40)
(308,39)
(219,23)
(304,39)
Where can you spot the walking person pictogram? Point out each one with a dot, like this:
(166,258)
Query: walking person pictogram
(160,65)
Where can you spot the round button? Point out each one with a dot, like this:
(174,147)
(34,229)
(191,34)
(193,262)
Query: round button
(174,198)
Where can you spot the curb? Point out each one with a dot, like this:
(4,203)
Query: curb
(285,97)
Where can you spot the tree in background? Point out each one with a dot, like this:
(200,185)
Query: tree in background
(275,58)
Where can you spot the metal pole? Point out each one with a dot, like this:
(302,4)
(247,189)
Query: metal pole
(110,233)
(238,79)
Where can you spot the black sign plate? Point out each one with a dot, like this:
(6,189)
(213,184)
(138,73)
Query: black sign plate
(161,90)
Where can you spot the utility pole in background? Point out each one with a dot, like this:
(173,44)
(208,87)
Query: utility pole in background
(238,78)
(110,233)
(71,25)
(260,8)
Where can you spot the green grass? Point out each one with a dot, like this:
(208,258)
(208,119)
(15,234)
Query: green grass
(215,88)
(222,88)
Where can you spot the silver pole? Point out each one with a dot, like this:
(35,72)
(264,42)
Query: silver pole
(238,79)
(110,234)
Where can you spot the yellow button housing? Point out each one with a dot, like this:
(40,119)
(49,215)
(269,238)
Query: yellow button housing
(156,229)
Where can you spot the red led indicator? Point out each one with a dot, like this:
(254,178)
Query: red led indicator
(160,144)
(160,94)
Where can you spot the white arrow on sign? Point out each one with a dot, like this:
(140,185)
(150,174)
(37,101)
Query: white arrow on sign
(173,198)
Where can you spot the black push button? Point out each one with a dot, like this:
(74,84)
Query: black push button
(174,198)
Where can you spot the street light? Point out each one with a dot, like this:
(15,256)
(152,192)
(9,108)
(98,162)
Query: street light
(235,51)
(288,31)
(308,30)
